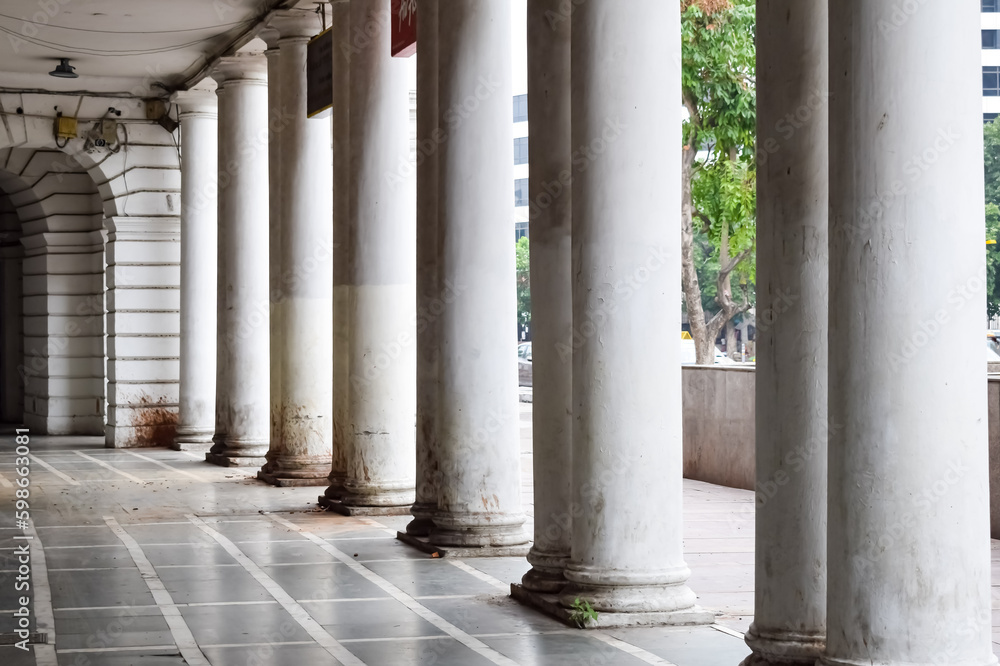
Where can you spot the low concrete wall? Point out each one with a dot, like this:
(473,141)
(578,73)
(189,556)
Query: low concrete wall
(719,436)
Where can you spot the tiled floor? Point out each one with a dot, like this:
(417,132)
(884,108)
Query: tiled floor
(154,557)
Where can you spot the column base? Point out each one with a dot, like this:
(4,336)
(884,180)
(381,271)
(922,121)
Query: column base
(784,649)
(228,460)
(336,488)
(547,573)
(551,606)
(338,506)
(275,479)
(422,522)
(192,443)
(423,544)
(832,661)
(474,530)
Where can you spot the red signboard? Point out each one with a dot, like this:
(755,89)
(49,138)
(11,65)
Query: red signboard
(404,28)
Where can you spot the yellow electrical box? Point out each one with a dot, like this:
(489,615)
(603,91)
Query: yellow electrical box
(65,127)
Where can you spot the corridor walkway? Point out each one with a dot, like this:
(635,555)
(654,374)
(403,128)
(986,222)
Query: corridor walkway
(153,557)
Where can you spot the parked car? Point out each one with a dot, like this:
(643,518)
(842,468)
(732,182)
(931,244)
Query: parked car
(524,364)
(688,355)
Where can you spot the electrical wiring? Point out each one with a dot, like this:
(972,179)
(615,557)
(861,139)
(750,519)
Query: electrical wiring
(99,52)
(129,32)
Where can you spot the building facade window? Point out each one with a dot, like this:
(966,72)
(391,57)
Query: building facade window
(991,81)
(989,117)
(521,150)
(990,40)
(521,192)
(991,6)
(520,230)
(520,108)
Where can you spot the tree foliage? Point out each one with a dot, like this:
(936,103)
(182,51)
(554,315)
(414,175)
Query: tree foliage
(991,153)
(523,283)
(719,174)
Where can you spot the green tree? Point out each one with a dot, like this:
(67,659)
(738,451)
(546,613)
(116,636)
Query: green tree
(719,194)
(991,153)
(523,283)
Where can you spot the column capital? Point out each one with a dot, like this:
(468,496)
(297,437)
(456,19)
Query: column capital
(250,68)
(196,102)
(270,36)
(295,24)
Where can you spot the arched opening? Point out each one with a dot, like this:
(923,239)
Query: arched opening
(53,309)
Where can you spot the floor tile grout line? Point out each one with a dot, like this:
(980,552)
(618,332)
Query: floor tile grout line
(633,650)
(105,465)
(179,629)
(164,465)
(292,607)
(462,637)
(45,654)
(115,648)
(65,477)
(481,575)
(726,630)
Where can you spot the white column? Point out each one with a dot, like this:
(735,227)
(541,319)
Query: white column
(627,556)
(479,496)
(551,292)
(221,348)
(428,269)
(243,224)
(273,55)
(305,308)
(792,302)
(909,545)
(340,23)
(199,248)
(380,428)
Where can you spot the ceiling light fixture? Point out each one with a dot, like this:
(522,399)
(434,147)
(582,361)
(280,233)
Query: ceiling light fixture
(63,70)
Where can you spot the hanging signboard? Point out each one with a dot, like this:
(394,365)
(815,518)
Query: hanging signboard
(404,28)
(319,75)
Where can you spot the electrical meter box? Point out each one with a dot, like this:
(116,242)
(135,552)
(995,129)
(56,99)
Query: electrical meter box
(65,127)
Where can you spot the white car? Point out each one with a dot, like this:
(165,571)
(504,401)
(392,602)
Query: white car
(524,364)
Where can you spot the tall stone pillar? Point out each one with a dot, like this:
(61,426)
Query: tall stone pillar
(340,23)
(551,292)
(479,495)
(221,347)
(243,223)
(199,118)
(381,301)
(909,546)
(273,55)
(627,558)
(792,302)
(301,456)
(428,270)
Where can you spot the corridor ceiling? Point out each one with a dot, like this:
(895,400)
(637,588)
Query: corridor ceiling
(120,46)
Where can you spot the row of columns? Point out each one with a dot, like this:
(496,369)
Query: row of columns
(416,310)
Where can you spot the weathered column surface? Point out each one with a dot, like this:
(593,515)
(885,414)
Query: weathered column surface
(429,303)
(381,300)
(909,544)
(340,22)
(551,220)
(301,453)
(243,222)
(479,495)
(199,117)
(792,301)
(627,558)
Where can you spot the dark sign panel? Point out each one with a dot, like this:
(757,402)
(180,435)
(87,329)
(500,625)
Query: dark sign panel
(319,74)
(404,28)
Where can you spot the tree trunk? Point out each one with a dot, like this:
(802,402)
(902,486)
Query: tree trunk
(732,350)
(703,341)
